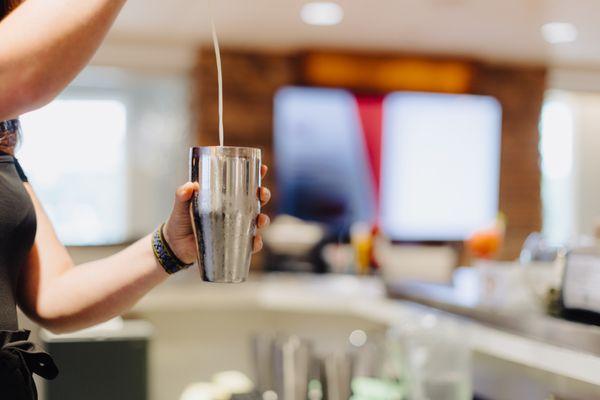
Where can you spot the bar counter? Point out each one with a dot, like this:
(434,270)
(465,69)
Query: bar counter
(515,356)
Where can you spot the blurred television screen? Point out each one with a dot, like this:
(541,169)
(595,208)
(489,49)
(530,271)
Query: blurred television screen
(422,166)
(323,172)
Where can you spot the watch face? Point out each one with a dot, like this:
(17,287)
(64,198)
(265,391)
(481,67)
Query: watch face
(581,284)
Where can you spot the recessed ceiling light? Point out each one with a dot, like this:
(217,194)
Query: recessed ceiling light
(322,13)
(559,32)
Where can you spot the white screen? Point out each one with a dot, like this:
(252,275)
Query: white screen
(440,165)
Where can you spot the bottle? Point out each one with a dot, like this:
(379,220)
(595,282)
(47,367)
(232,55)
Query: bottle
(361,238)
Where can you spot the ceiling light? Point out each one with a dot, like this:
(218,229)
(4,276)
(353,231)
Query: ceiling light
(322,13)
(559,32)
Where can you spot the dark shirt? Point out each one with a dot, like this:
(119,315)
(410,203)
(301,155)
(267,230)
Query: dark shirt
(17,234)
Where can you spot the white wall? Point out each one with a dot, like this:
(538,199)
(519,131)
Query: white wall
(580,89)
(586,163)
(146,55)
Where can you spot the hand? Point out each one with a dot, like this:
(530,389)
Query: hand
(178,229)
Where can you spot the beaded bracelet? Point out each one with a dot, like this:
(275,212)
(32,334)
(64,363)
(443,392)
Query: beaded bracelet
(165,256)
(9,135)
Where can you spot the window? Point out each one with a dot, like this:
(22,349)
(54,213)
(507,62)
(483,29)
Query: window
(556,150)
(106,156)
(74,153)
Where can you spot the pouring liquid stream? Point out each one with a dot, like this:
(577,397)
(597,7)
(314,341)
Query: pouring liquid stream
(220,78)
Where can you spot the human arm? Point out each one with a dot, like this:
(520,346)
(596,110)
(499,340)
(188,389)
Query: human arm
(62,297)
(44,44)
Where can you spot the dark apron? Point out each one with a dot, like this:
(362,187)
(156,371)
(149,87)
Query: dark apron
(19,359)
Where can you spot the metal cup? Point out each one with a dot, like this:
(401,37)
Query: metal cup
(291,366)
(263,355)
(225,209)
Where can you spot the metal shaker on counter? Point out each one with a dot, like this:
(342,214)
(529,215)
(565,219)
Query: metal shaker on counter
(263,359)
(292,364)
(284,365)
(338,369)
(225,209)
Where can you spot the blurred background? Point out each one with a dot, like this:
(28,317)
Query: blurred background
(436,206)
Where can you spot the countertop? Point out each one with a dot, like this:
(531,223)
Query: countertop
(534,325)
(529,340)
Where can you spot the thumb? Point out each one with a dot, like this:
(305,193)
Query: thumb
(183,194)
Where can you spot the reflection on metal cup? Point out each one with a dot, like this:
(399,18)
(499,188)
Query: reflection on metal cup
(225,209)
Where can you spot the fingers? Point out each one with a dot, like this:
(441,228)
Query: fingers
(263,221)
(265,195)
(257,244)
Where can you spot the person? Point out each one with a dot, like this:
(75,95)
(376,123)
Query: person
(44,44)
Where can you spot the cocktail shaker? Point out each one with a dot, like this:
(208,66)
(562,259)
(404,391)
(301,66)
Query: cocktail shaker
(263,358)
(337,368)
(292,364)
(225,209)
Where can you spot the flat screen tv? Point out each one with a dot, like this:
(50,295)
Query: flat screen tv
(422,166)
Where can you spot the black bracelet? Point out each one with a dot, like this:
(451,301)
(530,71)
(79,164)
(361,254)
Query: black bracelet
(165,256)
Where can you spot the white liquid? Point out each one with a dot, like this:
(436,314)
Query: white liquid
(220,78)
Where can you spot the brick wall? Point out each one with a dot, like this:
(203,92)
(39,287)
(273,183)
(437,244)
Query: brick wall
(520,91)
(251,79)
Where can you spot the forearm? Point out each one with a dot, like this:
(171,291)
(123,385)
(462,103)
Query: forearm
(63,297)
(97,291)
(44,44)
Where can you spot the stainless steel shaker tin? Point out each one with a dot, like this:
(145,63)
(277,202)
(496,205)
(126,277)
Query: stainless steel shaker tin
(225,209)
